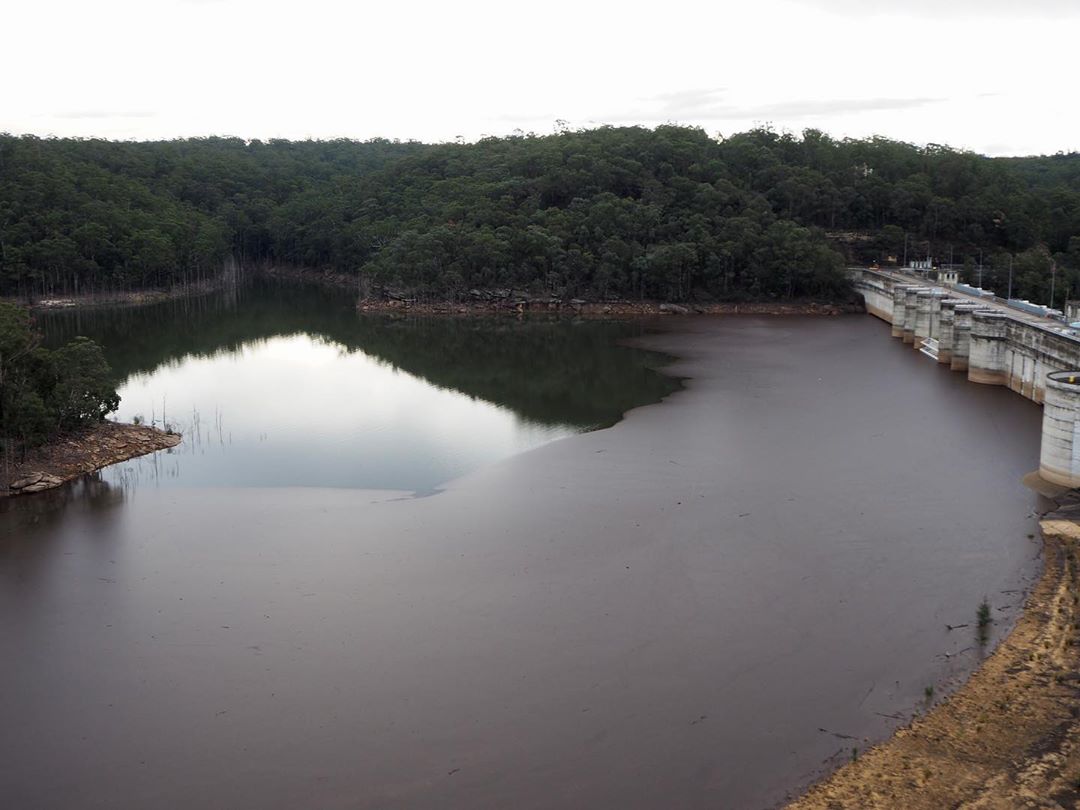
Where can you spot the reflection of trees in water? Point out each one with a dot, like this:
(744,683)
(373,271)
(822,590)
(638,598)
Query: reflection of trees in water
(98,494)
(151,468)
(45,508)
(29,523)
(548,371)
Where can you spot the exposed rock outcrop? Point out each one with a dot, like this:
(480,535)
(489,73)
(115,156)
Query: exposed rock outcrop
(77,454)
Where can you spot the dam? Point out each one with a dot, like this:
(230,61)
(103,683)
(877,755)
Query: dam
(993,342)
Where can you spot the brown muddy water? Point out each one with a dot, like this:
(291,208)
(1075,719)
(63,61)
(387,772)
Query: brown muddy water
(705,605)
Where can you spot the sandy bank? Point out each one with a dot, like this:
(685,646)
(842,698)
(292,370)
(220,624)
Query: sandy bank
(1010,736)
(74,455)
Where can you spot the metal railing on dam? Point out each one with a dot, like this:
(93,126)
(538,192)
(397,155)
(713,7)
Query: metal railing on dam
(994,344)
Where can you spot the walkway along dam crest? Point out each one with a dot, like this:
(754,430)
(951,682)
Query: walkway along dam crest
(974,332)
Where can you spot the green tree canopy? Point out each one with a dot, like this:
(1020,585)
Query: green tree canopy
(45,392)
(613,211)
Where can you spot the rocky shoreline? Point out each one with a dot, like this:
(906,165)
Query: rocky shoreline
(122,298)
(515,302)
(476,302)
(1010,736)
(74,455)
(597,309)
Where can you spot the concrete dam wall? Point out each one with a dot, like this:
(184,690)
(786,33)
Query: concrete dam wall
(1037,358)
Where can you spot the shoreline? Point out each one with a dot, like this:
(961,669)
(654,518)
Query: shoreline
(120,298)
(598,309)
(516,302)
(75,455)
(484,303)
(1009,736)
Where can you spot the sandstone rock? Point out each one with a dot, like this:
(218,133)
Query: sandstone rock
(43,483)
(27,481)
(674,309)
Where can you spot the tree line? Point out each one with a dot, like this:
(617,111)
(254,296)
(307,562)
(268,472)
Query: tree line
(668,213)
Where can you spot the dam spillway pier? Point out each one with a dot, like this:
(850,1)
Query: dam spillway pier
(995,343)
(961,347)
(987,354)
(1059,454)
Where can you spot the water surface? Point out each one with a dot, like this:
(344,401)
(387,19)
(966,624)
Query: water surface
(286,385)
(704,605)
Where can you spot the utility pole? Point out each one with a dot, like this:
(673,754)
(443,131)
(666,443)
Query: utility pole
(1009,296)
(980,269)
(1053,275)
(905,249)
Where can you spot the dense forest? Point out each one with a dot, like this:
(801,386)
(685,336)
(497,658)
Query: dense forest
(668,213)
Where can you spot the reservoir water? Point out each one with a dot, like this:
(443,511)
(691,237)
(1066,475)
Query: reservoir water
(706,603)
(284,385)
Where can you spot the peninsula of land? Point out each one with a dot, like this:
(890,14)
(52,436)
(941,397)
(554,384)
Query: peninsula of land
(81,452)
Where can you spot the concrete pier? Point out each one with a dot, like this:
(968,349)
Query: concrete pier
(924,299)
(1059,456)
(986,357)
(899,312)
(911,297)
(937,296)
(962,336)
(946,333)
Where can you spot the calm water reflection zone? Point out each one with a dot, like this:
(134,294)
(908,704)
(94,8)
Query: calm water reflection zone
(703,605)
(283,385)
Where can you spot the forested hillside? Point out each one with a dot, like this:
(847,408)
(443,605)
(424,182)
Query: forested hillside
(668,213)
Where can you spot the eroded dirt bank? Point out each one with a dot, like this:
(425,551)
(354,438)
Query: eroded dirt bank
(1008,738)
(74,455)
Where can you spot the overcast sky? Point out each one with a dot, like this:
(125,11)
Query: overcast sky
(995,76)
